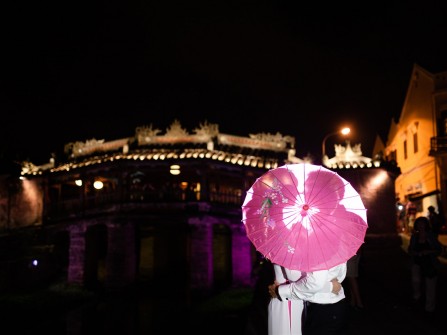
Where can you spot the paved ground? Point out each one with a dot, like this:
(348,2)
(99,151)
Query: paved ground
(386,289)
(385,285)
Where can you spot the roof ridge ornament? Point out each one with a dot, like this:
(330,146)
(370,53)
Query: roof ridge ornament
(176,130)
(208,129)
(147,131)
(277,138)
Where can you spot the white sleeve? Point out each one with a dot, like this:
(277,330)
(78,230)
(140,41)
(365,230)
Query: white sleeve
(306,287)
(292,275)
(279,277)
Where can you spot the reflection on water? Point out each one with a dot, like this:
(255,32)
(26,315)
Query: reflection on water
(167,308)
(127,312)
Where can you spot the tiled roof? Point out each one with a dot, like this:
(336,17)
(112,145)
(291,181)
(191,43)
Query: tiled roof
(161,154)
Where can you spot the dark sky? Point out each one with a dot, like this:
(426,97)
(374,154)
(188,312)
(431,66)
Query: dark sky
(73,71)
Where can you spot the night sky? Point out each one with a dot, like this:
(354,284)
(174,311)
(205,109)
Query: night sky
(74,71)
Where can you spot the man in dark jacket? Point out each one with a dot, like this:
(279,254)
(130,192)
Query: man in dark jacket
(435,221)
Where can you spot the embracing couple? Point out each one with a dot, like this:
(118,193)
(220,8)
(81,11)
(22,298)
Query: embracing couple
(308,303)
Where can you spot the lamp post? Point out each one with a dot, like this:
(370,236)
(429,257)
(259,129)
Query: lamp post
(344,131)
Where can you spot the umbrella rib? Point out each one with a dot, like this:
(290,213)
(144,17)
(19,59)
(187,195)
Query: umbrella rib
(325,232)
(277,236)
(291,195)
(270,241)
(298,195)
(334,176)
(347,234)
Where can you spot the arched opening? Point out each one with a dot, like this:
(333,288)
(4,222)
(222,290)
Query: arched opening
(95,256)
(222,256)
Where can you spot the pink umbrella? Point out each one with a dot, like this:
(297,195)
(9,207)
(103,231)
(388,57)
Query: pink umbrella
(304,217)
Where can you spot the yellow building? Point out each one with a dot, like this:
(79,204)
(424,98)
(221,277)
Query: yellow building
(410,141)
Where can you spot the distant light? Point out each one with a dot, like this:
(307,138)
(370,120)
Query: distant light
(345,131)
(98,184)
(174,169)
(78,182)
(35,262)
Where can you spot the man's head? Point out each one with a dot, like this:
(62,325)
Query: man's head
(431,209)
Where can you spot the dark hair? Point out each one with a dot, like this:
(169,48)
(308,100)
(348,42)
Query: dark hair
(431,209)
(422,220)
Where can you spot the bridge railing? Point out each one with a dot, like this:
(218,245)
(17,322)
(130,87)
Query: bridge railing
(78,207)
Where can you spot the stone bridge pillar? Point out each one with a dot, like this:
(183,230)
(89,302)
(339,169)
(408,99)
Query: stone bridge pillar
(241,256)
(76,256)
(201,253)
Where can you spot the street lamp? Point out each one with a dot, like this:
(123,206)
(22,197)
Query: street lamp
(344,131)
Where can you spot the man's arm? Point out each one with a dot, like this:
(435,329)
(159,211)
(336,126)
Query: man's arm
(330,286)
(306,287)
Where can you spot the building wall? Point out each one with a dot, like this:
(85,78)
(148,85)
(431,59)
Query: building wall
(376,188)
(419,171)
(21,203)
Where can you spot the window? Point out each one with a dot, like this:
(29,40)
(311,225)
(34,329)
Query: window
(405,150)
(415,142)
(444,118)
(393,155)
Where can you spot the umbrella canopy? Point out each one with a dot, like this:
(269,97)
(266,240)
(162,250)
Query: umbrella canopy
(304,217)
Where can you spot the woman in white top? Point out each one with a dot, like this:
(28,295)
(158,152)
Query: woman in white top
(284,317)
